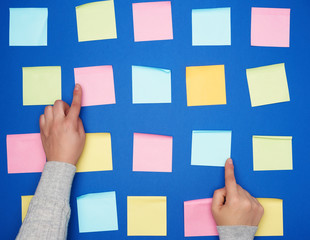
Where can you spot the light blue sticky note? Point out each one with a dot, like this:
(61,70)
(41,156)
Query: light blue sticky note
(211,26)
(210,148)
(28,26)
(97,212)
(151,85)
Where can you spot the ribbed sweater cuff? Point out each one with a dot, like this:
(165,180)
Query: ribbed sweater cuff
(236,232)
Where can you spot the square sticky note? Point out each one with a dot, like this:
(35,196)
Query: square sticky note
(198,219)
(25,205)
(41,85)
(97,212)
(205,85)
(28,26)
(211,27)
(146,216)
(270,27)
(96,21)
(97,84)
(97,153)
(272,153)
(152,153)
(268,85)
(151,85)
(152,21)
(210,148)
(271,223)
(25,153)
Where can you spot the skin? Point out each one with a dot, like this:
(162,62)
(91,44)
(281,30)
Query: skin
(62,131)
(232,205)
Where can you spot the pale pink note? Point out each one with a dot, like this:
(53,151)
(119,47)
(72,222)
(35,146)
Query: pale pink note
(97,84)
(152,153)
(270,27)
(25,153)
(152,21)
(198,219)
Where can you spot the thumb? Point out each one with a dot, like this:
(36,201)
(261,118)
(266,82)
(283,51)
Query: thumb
(230,181)
(218,198)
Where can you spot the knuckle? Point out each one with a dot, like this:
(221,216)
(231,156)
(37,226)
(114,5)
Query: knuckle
(246,205)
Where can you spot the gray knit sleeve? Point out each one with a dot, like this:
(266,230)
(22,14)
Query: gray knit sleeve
(236,232)
(49,210)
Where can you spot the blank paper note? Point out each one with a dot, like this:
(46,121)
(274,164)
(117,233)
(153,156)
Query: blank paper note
(28,26)
(25,205)
(25,153)
(152,21)
(211,27)
(198,219)
(272,153)
(271,223)
(146,216)
(152,153)
(210,148)
(268,85)
(205,85)
(97,212)
(96,21)
(41,85)
(97,153)
(270,27)
(151,85)
(97,84)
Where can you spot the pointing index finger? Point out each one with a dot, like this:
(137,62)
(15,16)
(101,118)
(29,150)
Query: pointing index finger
(75,108)
(230,181)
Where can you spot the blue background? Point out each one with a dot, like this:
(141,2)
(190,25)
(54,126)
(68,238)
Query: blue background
(186,182)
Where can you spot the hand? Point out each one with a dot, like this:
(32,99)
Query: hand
(62,131)
(232,205)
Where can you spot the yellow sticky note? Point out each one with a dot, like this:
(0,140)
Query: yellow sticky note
(272,153)
(97,153)
(25,204)
(146,216)
(271,223)
(96,21)
(205,85)
(41,85)
(268,85)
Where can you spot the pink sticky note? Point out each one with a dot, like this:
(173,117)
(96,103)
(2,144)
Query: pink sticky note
(152,21)
(97,84)
(25,153)
(152,153)
(198,219)
(270,27)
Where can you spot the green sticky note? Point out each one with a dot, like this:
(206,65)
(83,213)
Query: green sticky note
(272,153)
(268,85)
(41,85)
(96,21)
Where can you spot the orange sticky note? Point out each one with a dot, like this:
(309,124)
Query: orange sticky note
(205,85)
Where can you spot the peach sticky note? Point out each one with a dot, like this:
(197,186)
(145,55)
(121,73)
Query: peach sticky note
(97,153)
(270,27)
(198,219)
(41,85)
(25,205)
(271,223)
(152,21)
(146,216)
(25,153)
(97,84)
(272,153)
(268,85)
(205,85)
(152,153)
(96,21)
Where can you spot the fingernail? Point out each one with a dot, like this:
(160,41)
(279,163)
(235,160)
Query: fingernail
(229,160)
(77,87)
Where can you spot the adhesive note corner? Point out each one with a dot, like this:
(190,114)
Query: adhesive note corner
(205,85)
(97,153)
(146,216)
(272,153)
(25,205)
(97,212)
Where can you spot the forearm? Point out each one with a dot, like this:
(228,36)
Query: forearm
(236,232)
(49,210)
